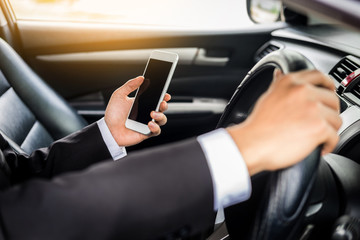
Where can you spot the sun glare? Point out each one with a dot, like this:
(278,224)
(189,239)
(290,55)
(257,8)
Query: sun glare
(179,13)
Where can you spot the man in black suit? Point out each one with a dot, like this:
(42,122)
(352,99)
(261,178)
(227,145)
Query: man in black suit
(56,194)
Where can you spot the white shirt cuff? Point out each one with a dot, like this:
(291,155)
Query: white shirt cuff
(115,150)
(229,172)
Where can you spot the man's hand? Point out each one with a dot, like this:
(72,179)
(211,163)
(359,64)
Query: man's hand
(118,109)
(299,112)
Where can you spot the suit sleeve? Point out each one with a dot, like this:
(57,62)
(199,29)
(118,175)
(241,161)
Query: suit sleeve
(164,192)
(72,153)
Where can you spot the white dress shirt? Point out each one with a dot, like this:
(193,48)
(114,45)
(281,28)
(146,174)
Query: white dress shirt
(231,181)
(115,150)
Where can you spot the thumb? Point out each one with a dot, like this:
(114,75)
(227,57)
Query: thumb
(131,85)
(277,74)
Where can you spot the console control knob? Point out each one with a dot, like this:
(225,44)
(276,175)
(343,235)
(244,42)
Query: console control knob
(346,228)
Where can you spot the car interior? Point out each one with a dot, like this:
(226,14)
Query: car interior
(56,77)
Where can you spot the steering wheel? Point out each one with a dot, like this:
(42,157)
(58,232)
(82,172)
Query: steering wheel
(279,198)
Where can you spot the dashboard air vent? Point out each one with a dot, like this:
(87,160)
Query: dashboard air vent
(266,49)
(344,68)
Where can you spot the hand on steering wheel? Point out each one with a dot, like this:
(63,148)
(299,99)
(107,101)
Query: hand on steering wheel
(306,115)
(300,100)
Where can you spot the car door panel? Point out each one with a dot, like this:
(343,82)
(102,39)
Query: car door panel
(73,78)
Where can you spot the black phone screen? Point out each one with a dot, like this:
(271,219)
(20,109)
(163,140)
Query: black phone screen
(149,93)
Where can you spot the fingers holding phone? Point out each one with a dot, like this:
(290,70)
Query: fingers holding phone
(117,112)
(152,94)
(159,117)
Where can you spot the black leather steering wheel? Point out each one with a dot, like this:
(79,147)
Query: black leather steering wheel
(280,198)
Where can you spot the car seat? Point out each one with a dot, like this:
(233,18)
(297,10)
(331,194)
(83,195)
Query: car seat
(32,114)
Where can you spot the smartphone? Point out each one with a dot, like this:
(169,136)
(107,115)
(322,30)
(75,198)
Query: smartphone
(157,76)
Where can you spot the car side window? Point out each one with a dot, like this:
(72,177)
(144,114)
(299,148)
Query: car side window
(202,14)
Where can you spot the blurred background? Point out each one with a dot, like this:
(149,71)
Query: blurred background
(204,14)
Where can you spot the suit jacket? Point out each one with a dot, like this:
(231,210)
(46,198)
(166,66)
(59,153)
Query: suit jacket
(71,191)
